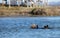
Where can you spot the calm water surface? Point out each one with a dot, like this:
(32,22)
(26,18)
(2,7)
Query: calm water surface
(19,27)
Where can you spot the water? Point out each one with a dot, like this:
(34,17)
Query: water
(19,27)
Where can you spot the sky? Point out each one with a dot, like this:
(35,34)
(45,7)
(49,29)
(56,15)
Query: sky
(53,0)
(48,1)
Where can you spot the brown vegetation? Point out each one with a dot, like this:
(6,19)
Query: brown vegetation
(26,11)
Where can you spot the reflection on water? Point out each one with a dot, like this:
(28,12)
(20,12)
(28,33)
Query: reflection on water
(20,27)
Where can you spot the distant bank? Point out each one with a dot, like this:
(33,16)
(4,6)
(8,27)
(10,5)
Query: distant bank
(30,11)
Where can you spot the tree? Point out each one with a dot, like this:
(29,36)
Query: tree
(18,3)
(5,1)
(46,2)
(2,2)
(9,4)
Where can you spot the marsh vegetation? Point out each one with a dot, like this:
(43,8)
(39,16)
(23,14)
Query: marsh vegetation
(30,11)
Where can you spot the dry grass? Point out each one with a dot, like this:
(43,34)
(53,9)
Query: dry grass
(50,11)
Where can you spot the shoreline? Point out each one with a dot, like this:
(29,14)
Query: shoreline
(29,12)
(25,16)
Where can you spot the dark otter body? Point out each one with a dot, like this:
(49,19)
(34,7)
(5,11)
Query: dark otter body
(46,27)
(36,27)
